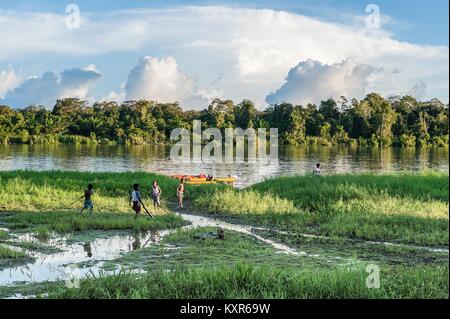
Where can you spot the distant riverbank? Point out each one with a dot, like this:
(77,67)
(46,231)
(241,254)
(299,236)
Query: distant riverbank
(52,139)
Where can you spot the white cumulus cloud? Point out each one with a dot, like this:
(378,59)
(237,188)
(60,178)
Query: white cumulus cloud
(46,89)
(8,80)
(161,80)
(311,81)
(253,48)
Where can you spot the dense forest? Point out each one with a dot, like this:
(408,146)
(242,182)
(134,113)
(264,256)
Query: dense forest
(373,121)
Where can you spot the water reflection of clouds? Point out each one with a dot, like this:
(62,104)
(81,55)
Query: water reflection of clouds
(155,158)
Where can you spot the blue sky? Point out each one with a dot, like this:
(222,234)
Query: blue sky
(187,55)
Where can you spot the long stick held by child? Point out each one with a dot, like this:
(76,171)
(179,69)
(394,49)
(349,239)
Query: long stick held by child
(136,201)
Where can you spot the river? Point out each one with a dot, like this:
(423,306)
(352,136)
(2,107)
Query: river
(155,158)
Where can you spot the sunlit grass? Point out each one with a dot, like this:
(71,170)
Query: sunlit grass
(396,207)
(58,190)
(230,201)
(3,235)
(249,281)
(42,224)
(7,253)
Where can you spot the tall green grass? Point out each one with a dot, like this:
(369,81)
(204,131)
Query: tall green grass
(58,190)
(54,194)
(230,201)
(248,281)
(309,192)
(64,222)
(3,235)
(403,207)
(7,253)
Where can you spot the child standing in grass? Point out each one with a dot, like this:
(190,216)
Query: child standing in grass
(317,170)
(88,199)
(156,195)
(135,198)
(180,193)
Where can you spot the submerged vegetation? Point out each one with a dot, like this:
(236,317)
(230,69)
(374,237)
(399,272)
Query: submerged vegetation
(240,266)
(42,224)
(373,121)
(3,235)
(7,253)
(10,257)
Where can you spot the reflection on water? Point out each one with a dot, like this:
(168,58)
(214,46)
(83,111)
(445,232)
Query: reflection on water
(55,266)
(154,158)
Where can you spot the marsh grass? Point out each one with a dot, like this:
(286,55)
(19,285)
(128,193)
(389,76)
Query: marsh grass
(8,256)
(381,254)
(43,224)
(7,253)
(400,207)
(405,208)
(34,247)
(317,192)
(58,190)
(30,289)
(190,252)
(249,281)
(3,235)
(244,202)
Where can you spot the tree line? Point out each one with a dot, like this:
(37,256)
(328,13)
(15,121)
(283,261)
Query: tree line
(372,121)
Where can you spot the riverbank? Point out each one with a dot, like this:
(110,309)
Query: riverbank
(31,191)
(289,237)
(405,208)
(407,141)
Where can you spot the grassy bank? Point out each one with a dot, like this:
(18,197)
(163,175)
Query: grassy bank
(65,222)
(404,207)
(53,194)
(240,266)
(57,191)
(247,281)
(346,209)
(408,207)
